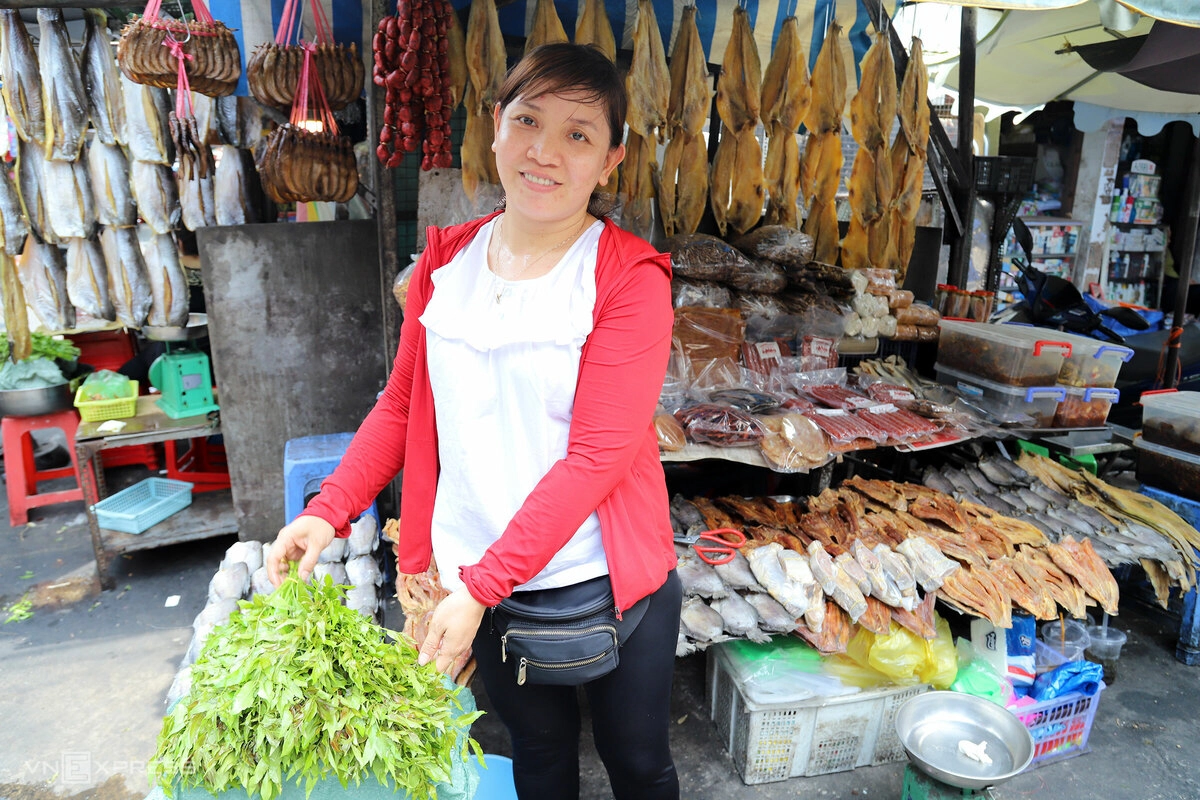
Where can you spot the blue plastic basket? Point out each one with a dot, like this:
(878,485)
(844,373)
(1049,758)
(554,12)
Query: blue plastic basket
(143,505)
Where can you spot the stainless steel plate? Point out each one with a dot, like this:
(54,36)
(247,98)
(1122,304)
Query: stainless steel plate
(931,725)
(196,328)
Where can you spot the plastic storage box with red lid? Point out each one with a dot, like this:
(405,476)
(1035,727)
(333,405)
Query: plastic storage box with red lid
(1172,419)
(1174,471)
(1092,362)
(998,353)
(1008,403)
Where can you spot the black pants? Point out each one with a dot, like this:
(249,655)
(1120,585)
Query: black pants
(630,709)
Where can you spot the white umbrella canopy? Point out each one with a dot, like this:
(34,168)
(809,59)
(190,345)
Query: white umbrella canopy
(1025,58)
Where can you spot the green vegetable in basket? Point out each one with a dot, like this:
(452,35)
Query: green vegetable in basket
(105,385)
(297,686)
(44,346)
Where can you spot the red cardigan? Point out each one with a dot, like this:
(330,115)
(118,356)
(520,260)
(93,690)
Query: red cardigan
(612,464)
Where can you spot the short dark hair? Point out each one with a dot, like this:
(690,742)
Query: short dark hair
(562,67)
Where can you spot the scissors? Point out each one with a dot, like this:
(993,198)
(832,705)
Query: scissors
(718,546)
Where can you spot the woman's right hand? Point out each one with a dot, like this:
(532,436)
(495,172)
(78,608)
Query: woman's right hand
(301,540)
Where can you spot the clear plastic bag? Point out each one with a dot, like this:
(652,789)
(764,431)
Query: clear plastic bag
(779,243)
(105,385)
(403,278)
(702,257)
(670,433)
(762,305)
(720,425)
(919,315)
(793,442)
(708,333)
(760,276)
(703,294)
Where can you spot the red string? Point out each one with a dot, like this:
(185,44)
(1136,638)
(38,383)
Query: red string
(183,94)
(321,22)
(202,12)
(290,22)
(152,9)
(310,83)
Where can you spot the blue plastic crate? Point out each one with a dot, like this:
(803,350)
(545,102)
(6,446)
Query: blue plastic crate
(143,505)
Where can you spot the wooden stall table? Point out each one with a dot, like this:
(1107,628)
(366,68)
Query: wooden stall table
(210,514)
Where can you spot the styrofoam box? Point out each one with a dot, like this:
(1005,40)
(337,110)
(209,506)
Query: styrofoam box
(776,741)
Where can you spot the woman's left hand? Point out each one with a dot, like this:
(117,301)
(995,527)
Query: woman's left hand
(452,629)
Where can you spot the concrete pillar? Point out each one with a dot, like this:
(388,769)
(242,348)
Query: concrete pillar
(1093,194)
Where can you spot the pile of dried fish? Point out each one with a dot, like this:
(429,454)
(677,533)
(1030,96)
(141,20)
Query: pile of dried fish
(273,73)
(212,60)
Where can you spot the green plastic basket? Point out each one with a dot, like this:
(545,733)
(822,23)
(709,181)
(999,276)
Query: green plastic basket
(143,505)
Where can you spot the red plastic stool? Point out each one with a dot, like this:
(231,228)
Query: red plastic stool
(202,463)
(21,475)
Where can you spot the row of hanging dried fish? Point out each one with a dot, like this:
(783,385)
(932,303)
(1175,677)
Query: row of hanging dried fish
(70,218)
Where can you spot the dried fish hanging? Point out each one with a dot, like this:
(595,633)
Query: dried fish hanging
(683,186)
(908,160)
(273,69)
(307,159)
(195,157)
(738,186)
(486,65)
(216,63)
(821,171)
(785,98)
(872,112)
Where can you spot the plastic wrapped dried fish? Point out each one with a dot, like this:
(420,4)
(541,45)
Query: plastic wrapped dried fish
(363,570)
(769,571)
(364,534)
(249,553)
(335,551)
(229,583)
(334,570)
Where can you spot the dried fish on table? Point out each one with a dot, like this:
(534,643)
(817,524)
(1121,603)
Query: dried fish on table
(929,566)
(62,89)
(168,285)
(128,284)
(834,636)
(975,591)
(768,570)
(31,180)
(700,622)
(1079,560)
(109,175)
(836,583)
(70,207)
(147,126)
(13,226)
(231,189)
(87,279)
(739,617)
(736,574)
(699,578)
(42,269)
(16,314)
(920,620)
(156,196)
(773,617)
(20,78)
(102,80)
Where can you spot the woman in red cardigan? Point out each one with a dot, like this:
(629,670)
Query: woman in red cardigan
(531,357)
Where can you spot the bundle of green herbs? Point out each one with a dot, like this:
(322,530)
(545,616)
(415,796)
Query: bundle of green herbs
(298,687)
(44,346)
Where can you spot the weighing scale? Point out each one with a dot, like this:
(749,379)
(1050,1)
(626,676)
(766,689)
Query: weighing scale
(182,374)
(939,730)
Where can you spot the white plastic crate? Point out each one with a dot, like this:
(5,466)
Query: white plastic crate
(776,741)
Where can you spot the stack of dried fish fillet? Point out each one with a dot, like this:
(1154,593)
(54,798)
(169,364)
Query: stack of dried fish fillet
(786,94)
(879,552)
(908,161)
(822,168)
(683,186)
(738,187)
(648,85)
(871,114)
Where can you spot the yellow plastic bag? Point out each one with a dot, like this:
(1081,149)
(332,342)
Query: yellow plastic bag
(899,655)
(941,657)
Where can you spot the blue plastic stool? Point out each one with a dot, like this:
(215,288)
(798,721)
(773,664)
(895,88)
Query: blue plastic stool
(496,782)
(306,462)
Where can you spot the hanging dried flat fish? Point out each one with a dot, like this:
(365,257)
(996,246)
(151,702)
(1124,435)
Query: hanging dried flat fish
(168,285)
(20,78)
(639,175)
(649,81)
(821,172)
(547,28)
(239,121)
(908,158)
(13,227)
(594,28)
(231,188)
(871,113)
(16,314)
(147,130)
(70,208)
(42,269)
(197,203)
(31,179)
(102,80)
(683,185)
(785,98)
(156,196)
(62,89)
(128,284)
(87,279)
(486,66)
(109,174)
(738,187)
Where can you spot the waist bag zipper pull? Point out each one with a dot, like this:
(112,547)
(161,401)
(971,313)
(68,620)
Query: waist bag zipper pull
(504,648)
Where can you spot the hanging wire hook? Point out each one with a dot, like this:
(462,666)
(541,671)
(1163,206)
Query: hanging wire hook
(186,27)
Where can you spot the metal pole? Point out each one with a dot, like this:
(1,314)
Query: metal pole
(384,187)
(1187,249)
(960,248)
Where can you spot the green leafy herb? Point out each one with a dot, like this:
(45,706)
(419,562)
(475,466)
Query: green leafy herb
(297,686)
(45,346)
(20,610)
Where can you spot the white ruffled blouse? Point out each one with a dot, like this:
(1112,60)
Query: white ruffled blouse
(503,361)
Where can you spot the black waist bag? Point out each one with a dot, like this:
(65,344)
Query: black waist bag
(566,636)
